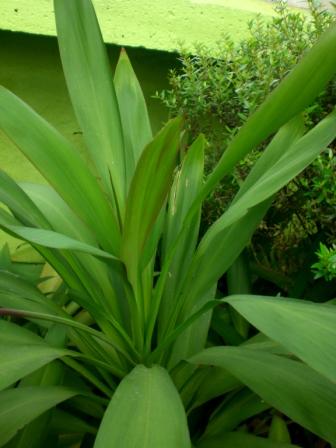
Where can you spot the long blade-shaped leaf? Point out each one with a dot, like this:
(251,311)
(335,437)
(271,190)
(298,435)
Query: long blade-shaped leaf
(89,79)
(234,411)
(14,334)
(19,203)
(49,238)
(144,202)
(208,262)
(61,165)
(94,273)
(20,406)
(134,115)
(307,329)
(188,181)
(292,96)
(290,386)
(18,361)
(145,411)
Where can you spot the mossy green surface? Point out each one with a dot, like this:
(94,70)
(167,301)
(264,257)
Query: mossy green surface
(154,24)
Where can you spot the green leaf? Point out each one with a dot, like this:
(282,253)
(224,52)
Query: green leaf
(145,411)
(211,250)
(89,79)
(64,422)
(290,386)
(18,361)
(278,431)
(57,212)
(20,406)
(233,412)
(19,203)
(238,279)
(35,433)
(133,111)
(306,329)
(93,273)
(11,284)
(144,202)
(217,382)
(240,440)
(61,165)
(49,238)
(292,96)
(12,334)
(187,183)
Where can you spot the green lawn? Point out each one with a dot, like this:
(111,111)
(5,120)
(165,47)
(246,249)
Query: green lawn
(156,24)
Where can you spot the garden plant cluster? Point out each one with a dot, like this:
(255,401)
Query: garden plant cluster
(216,95)
(135,314)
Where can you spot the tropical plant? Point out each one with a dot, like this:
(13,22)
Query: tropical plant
(107,346)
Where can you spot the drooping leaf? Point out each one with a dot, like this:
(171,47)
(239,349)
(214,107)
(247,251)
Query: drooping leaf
(290,386)
(61,165)
(19,203)
(306,329)
(15,285)
(145,411)
(291,97)
(20,406)
(11,333)
(93,273)
(18,360)
(208,263)
(51,239)
(35,433)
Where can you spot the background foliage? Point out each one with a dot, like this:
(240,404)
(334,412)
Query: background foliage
(217,94)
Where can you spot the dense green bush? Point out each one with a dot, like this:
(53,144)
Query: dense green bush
(217,93)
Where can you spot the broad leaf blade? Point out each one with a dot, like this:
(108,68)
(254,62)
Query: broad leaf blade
(61,165)
(290,386)
(208,263)
(94,273)
(89,79)
(133,111)
(187,183)
(51,239)
(145,411)
(20,406)
(306,329)
(18,361)
(148,191)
